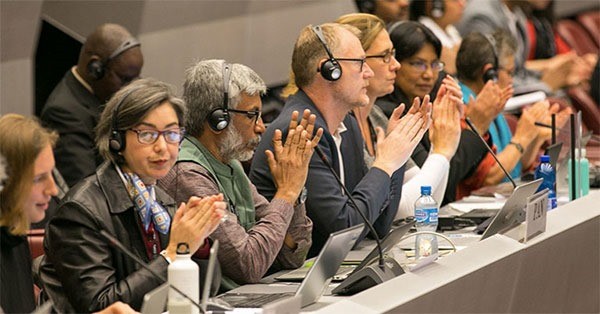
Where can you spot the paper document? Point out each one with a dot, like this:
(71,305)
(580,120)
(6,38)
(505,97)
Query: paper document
(470,203)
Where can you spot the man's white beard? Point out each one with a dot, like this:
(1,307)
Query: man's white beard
(232,146)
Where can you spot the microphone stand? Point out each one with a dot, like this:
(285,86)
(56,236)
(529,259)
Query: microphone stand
(482,226)
(371,275)
(117,244)
(474,129)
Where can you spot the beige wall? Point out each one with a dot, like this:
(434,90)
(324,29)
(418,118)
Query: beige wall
(258,33)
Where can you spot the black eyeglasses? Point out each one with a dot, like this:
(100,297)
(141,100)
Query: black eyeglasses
(173,136)
(251,114)
(362,61)
(420,66)
(386,56)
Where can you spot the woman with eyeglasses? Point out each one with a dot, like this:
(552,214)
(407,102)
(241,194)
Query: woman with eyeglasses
(418,51)
(440,16)
(380,58)
(138,135)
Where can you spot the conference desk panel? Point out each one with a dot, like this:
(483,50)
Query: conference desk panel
(461,282)
(557,271)
(560,269)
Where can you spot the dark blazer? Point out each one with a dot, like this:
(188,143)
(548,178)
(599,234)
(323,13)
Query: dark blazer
(81,271)
(469,154)
(73,112)
(376,194)
(16,281)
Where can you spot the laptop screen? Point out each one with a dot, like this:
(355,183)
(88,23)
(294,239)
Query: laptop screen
(327,263)
(509,215)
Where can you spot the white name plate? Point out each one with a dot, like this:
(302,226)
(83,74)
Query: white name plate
(535,214)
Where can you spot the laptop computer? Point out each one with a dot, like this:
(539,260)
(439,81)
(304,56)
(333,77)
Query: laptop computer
(316,281)
(512,214)
(345,270)
(155,300)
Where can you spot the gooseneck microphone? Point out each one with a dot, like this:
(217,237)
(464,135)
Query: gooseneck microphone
(117,244)
(370,275)
(474,129)
(482,226)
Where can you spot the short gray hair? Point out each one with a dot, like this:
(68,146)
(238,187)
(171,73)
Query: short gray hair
(203,90)
(136,101)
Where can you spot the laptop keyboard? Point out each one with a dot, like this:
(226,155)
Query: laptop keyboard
(343,272)
(252,300)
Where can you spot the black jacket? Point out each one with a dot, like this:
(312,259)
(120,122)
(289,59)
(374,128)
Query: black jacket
(376,194)
(73,112)
(80,268)
(16,281)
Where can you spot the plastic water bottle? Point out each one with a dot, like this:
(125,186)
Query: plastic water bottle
(183,273)
(545,171)
(426,216)
(583,172)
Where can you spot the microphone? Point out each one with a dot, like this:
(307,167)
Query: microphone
(482,226)
(491,151)
(117,244)
(371,275)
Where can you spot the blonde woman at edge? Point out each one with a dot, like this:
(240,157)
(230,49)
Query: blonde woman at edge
(444,131)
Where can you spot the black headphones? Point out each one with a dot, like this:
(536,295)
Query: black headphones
(492,73)
(219,118)
(437,8)
(116,141)
(330,69)
(365,6)
(97,68)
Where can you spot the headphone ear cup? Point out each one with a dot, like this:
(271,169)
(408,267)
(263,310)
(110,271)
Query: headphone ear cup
(96,69)
(490,74)
(116,143)
(331,70)
(366,6)
(218,119)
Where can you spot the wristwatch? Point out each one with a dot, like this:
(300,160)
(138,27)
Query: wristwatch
(518,146)
(302,198)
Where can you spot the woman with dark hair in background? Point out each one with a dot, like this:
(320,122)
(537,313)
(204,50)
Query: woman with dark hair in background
(440,16)
(546,47)
(418,50)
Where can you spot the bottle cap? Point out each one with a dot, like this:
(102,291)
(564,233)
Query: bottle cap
(183,248)
(544,158)
(425,190)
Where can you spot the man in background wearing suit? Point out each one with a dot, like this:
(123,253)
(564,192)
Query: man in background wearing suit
(109,59)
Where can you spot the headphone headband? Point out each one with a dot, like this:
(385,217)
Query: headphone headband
(330,69)
(491,74)
(226,78)
(97,68)
(219,118)
(492,43)
(317,30)
(124,46)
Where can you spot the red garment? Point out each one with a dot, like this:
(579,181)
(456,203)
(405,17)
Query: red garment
(561,45)
(475,181)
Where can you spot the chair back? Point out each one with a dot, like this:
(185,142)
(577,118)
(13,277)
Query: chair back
(576,37)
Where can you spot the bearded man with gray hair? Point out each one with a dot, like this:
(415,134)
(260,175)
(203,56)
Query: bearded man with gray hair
(223,128)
